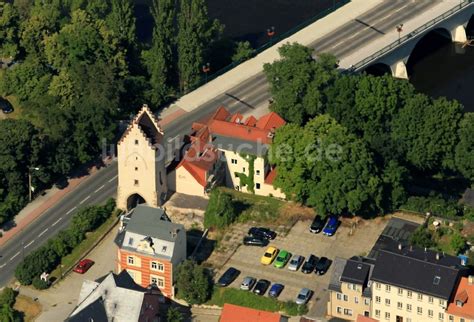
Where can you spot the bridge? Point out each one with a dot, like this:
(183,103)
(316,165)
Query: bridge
(450,24)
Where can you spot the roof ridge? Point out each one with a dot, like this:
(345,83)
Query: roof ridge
(419,259)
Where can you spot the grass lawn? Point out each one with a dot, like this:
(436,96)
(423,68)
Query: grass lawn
(71,259)
(26,306)
(248,299)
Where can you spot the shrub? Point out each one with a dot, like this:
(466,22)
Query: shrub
(458,243)
(422,237)
(220,211)
(7,297)
(39,284)
(193,283)
(173,315)
(434,204)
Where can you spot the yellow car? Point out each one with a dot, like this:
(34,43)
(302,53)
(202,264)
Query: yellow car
(269,255)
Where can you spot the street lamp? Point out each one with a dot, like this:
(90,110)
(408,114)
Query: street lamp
(271,33)
(29,181)
(206,69)
(399,30)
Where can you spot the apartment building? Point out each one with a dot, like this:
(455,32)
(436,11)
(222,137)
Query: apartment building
(350,294)
(461,308)
(410,284)
(150,247)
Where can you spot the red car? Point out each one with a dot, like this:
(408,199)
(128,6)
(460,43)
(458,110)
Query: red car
(83,266)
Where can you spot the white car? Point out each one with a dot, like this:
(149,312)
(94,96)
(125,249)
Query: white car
(303,296)
(247,283)
(295,262)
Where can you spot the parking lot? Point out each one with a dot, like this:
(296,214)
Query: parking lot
(300,241)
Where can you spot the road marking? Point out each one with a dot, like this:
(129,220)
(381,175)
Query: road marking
(84,199)
(3,265)
(172,139)
(29,244)
(113,178)
(15,256)
(43,232)
(54,224)
(70,210)
(100,188)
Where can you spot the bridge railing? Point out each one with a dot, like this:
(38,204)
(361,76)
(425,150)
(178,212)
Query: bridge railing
(407,37)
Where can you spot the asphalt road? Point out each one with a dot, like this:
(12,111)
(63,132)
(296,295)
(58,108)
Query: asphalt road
(242,98)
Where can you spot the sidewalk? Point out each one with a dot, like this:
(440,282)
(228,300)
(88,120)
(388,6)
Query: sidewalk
(254,66)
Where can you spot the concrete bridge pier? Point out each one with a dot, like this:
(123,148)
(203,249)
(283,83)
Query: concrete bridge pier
(458,34)
(399,69)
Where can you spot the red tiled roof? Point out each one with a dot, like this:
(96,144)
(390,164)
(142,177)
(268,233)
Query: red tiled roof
(271,176)
(239,131)
(269,121)
(250,121)
(237,118)
(465,294)
(362,318)
(235,313)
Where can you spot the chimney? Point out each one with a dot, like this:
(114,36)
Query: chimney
(400,246)
(470,280)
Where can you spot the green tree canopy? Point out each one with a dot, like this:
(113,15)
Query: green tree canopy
(9,31)
(192,283)
(464,157)
(220,211)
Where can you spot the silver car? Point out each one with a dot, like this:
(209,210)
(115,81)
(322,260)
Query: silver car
(295,262)
(303,296)
(248,283)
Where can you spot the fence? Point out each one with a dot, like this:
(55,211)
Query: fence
(393,45)
(275,39)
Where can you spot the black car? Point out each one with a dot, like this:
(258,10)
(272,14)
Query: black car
(261,287)
(5,106)
(317,225)
(262,232)
(310,264)
(255,241)
(322,266)
(228,277)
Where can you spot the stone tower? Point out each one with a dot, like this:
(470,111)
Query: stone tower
(141,163)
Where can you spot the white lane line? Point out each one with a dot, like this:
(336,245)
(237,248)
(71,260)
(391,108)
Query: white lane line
(113,178)
(29,244)
(43,232)
(54,223)
(3,265)
(172,139)
(70,210)
(100,188)
(15,256)
(83,200)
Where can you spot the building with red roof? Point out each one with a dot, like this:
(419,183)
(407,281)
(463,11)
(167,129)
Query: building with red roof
(231,149)
(235,313)
(462,306)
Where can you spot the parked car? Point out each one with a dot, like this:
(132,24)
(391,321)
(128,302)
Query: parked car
(83,266)
(255,241)
(331,226)
(262,232)
(317,225)
(228,277)
(282,258)
(5,106)
(275,290)
(248,283)
(303,296)
(322,266)
(295,262)
(269,255)
(261,287)
(310,264)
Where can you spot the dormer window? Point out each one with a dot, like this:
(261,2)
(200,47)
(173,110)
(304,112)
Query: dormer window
(436,280)
(130,241)
(136,142)
(164,249)
(459,303)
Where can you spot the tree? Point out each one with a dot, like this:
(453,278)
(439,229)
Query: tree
(394,178)
(297,82)
(458,243)
(326,167)
(7,314)
(193,283)
(159,58)
(7,296)
(195,32)
(422,237)
(9,29)
(464,156)
(173,315)
(243,51)
(220,211)
(121,21)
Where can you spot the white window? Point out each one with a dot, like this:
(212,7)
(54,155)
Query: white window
(430,313)
(377,286)
(233,161)
(408,319)
(348,312)
(257,185)
(157,266)
(387,316)
(154,280)
(419,310)
(441,316)
(136,142)
(441,302)
(430,299)
(400,291)
(356,299)
(387,288)
(420,297)
(399,305)
(409,294)
(367,301)
(339,310)
(387,302)
(377,299)
(346,298)
(131,260)
(451,318)
(257,172)
(377,313)
(243,169)
(409,307)
(339,296)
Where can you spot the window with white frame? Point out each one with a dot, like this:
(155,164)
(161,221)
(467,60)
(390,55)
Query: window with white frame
(408,319)
(419,310)
(387,315)
(233,161)
(409,307)
(339,296)
(430,313)
(131,260)
(348,312)
(377,313)
(387,302)
(387,288)
(356,299)
(420,297)
(367,301)
(400,291)
(339,310)
(430,299)
(399,305)
(377,299)
(257,172)
(156,266)
(377,286)
(441,316)
(450,318)
(409,293)
(346,298)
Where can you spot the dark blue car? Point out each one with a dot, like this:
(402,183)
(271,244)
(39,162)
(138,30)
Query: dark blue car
(275,290)
(331,226)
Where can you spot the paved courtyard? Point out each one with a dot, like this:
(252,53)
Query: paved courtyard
(300,241)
